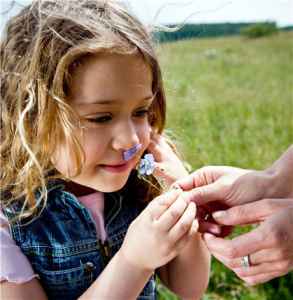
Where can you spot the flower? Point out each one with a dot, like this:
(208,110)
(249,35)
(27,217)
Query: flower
(128,154)
(146,165)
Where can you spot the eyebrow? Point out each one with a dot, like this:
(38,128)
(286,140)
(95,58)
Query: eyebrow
(110,101)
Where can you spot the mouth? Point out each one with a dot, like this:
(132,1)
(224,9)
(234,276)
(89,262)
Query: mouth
(116,168)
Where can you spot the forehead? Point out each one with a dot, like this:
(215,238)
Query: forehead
(110,76)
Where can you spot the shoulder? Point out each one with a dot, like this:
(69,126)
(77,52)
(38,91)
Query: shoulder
(15,267)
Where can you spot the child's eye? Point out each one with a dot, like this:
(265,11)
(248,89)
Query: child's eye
(141,113)
(100,119)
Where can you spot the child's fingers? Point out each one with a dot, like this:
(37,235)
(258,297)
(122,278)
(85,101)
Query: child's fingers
(155,137)
(156,150)
(184,224)
(172,214)
(160,170)
(181,243)
(161,203)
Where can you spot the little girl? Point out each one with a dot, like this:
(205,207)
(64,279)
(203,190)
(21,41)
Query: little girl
(82,101)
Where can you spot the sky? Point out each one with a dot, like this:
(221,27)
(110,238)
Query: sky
(208,11)
(196,11)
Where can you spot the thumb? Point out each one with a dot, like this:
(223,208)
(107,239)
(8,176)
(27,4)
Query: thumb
(250,213)
(238,215)
(205,194)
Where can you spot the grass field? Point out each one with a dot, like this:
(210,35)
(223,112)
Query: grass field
(230,102)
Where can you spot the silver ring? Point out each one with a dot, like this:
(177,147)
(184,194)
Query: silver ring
(245,261)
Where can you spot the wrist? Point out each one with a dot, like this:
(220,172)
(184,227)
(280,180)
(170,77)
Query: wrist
(280,175)
(132,265)
(270,184)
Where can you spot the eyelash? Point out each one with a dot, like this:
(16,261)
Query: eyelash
(105,119)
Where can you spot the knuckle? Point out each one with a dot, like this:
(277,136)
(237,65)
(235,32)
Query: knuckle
(175,213)
(232,252)
(261,237)
(279,237)
(161,200)
(152,206)
(184,226)
(204,170)
(282,254)
(185,198)
(270,204)
(231,263)
(201,192)
(240,211)
(283,266)
(284,236)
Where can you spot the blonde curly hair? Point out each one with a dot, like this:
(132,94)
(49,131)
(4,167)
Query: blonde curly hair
(39,51)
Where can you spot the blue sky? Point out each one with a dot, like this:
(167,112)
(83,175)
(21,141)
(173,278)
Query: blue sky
(198,11)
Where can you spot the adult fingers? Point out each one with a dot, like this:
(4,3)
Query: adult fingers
(173,213)
(261,278)
(242,245)
(205,194)
(258,270)
(270,255)
(184,223)
(209,227)
(203,176)
(161,203)
(208,224)
(277,266)
(251,212)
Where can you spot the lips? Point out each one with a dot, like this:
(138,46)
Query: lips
(116,168)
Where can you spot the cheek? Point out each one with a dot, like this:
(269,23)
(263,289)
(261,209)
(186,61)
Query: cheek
(94,145)
(145,136)
(61,160)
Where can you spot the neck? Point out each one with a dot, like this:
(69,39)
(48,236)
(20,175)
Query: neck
(78,190)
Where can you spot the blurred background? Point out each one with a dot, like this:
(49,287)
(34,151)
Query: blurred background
(228,75)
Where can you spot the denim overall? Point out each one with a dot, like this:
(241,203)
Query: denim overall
(62,244)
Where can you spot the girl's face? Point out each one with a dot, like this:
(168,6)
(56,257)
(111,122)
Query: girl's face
(112,93)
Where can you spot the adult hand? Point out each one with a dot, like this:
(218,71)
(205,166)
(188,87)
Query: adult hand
(248,197)
(215,188)
(269,246)
(228,185)
(218,187)
(235,186)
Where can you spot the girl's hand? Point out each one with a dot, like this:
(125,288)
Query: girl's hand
(158,234)
(169,167)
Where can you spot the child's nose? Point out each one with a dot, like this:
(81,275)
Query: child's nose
(126,137)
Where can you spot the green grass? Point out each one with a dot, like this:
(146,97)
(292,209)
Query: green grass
(230,102)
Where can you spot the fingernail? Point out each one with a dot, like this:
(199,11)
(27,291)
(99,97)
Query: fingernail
(195,226)
(216,230)
(175,187)
(208,236)
(219,214)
